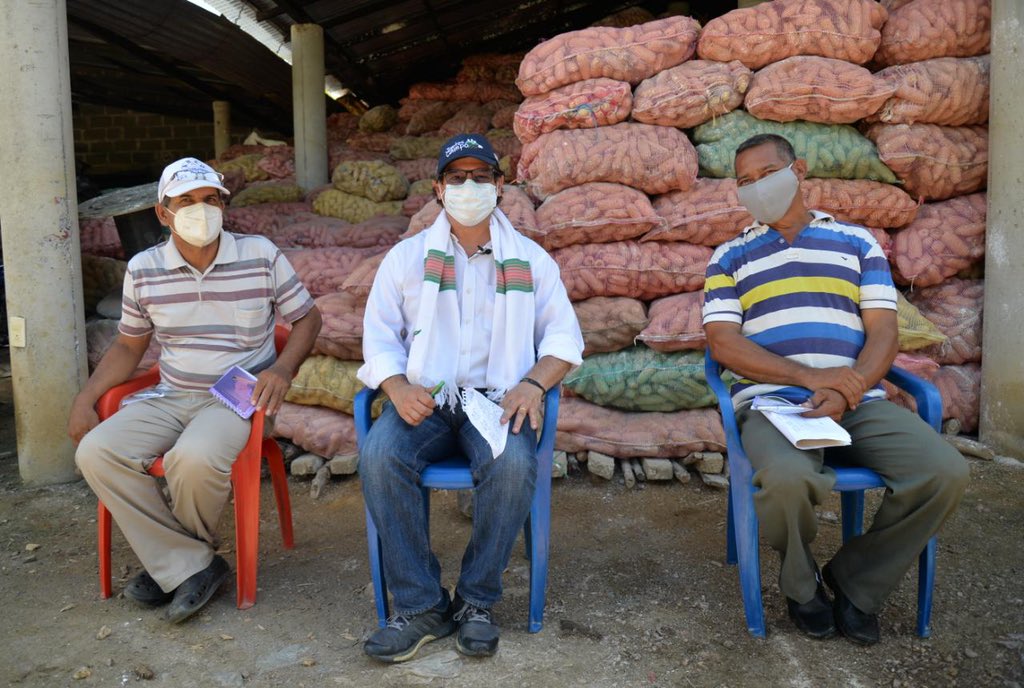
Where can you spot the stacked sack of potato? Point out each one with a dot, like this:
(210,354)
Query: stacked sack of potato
(613,117)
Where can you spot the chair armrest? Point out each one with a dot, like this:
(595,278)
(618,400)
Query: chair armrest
(109,403)
(739,465)
(546,444)
(281,334)
(929,401)
(361,407)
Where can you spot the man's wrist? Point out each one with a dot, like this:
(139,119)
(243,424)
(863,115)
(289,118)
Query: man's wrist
(533,383)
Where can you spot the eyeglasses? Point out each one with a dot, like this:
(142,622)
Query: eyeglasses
(481,175)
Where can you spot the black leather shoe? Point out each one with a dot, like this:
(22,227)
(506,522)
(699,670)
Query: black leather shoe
(144,590)
(403,636)
(858,626)
(196,591)
(813,618)
(478,634)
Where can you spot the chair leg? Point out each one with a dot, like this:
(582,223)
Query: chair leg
(103,548)
(925,586)
(749,557)
(380,587)
(539,527)
(279,479)
(853,513)
(730,533)
(246,479)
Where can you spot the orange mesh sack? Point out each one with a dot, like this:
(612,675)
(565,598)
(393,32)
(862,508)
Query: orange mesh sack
(514,202)
(945,238)
(504,117)
(859,201)
(709,213)
(324,270)
(815,89)
(960,388)
(935,163)
(691,93)
(628,268)
(955,307)
(316,429)
(341,334)
(630,54)
(952,91)
(266,218)
(609,323)
(924,29)
(594,213)
(415,170)
(582,105)
(490,67)
(322,232)
(584,426)
(756,36)
(472,119)
(361,275)
(676,323)
(646,157)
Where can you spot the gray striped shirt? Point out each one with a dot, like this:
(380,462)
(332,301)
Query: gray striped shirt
(207,322)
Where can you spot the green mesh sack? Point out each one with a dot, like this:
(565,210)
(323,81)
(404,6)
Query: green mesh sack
(836,151)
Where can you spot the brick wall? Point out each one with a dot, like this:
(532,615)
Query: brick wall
(123,143)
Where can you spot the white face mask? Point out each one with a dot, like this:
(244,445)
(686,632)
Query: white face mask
(198,224)
(470,203)
(770,197)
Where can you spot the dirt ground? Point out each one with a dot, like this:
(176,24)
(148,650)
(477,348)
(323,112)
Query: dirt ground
(638,595)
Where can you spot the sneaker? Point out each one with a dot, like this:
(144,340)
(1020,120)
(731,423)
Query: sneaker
(403,636)
(478,634)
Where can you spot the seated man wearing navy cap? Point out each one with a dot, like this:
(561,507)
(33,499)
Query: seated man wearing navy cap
(467,304)
(209,298)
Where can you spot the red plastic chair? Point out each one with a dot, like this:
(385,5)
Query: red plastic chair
(245,479)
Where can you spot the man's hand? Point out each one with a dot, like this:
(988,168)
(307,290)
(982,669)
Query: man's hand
(412,402)
(272,385)
(846,381)
(83,419)
(521,402)
(826,402)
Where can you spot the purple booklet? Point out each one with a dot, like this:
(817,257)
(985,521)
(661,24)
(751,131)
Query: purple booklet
(234,390)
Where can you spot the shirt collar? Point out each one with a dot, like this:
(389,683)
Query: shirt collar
(816,216)
(227,252)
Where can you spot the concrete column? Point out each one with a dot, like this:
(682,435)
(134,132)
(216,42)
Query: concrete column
(221,126)
(1002,377)
(309,105)
(42,262)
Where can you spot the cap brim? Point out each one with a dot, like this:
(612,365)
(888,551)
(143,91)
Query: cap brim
(192,185)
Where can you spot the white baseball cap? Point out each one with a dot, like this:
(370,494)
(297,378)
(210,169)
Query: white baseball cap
(184,175)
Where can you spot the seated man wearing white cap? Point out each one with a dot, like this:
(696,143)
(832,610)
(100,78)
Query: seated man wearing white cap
(209,297)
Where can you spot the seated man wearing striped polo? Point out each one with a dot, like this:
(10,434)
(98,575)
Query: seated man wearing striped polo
(209,298)
(803,307)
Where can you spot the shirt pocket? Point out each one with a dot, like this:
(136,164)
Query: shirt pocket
(250,321)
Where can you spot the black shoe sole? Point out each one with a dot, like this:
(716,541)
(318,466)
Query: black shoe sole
(814,635)
(177,616)
(485,652)
(405,655)
(830,581)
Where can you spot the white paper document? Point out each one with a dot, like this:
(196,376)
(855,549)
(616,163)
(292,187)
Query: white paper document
(803,433)
(485,416)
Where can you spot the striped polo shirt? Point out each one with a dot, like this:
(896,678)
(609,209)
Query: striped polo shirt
(801,300)
(207,322)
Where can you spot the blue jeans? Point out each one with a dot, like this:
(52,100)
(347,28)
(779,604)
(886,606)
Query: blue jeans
(390,463)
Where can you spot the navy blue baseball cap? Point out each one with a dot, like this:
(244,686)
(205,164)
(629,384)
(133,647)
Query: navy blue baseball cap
(466,146)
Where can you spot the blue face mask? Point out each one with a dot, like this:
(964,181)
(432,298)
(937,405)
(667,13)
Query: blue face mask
(770,197)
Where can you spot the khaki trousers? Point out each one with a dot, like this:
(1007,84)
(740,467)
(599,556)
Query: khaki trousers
(199,439)
(925,479)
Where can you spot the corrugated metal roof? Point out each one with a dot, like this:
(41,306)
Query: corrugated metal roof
(173,57)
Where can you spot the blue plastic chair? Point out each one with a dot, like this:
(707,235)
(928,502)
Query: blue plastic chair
(742,526)
(454,474)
